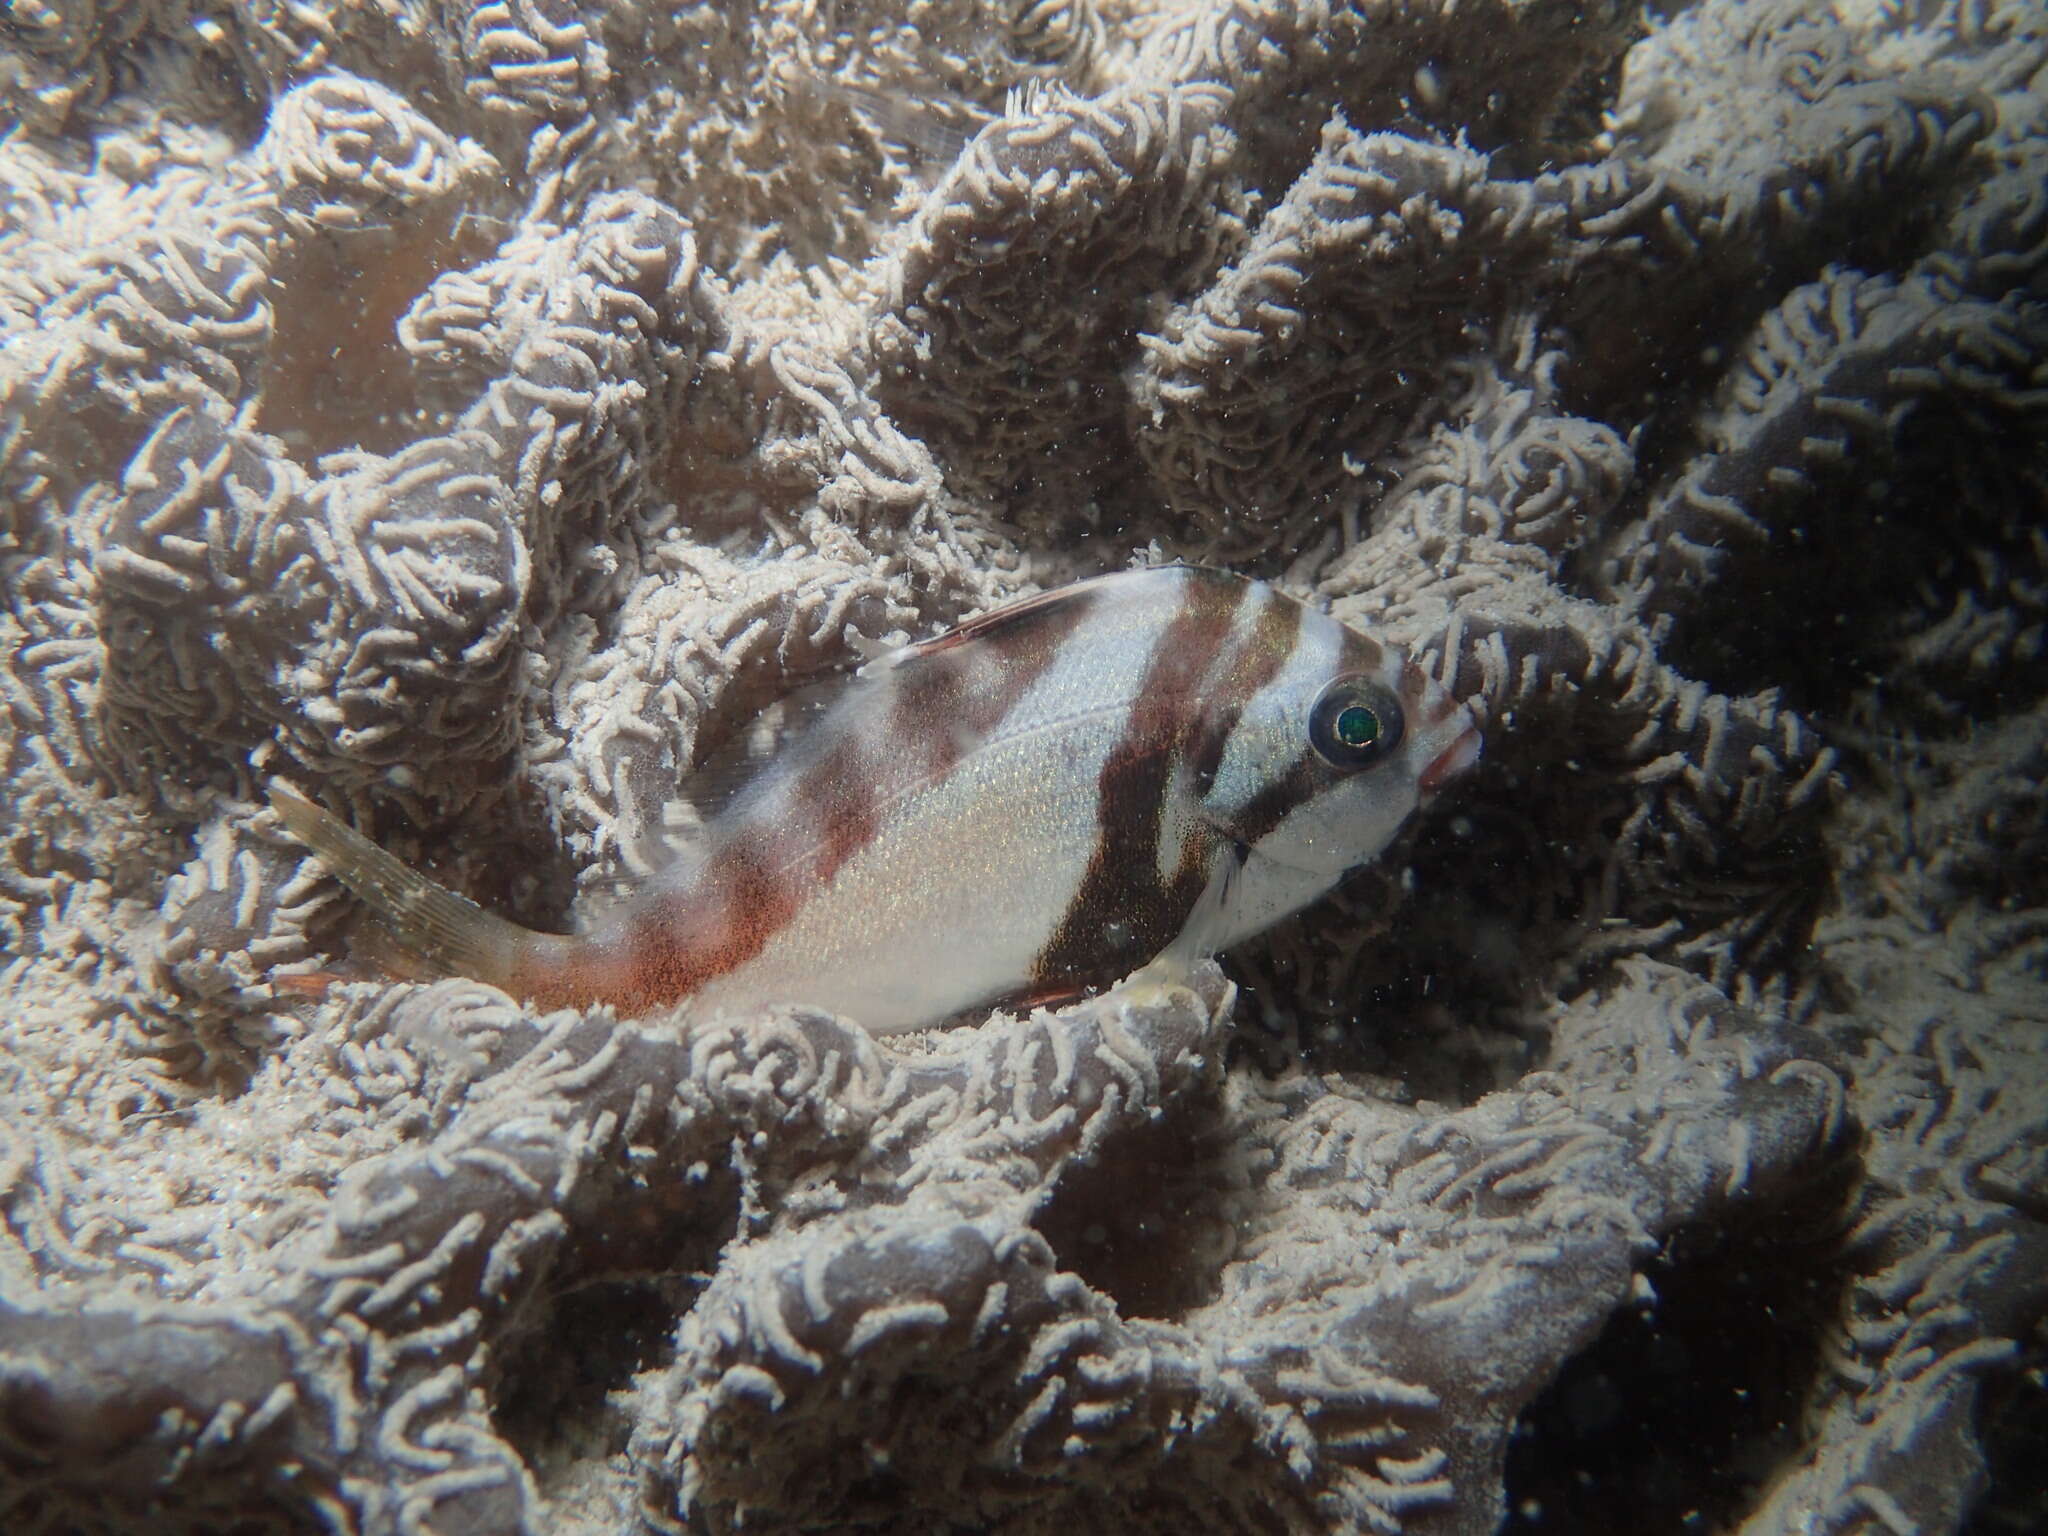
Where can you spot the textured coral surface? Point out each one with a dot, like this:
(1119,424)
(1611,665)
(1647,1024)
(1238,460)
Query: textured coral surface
(476,412)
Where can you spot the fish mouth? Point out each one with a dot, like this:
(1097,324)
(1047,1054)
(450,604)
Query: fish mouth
(1449,763)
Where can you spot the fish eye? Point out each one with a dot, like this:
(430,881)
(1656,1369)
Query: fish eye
(1355,723)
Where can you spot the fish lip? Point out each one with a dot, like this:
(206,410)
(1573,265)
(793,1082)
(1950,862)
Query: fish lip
(1449,763)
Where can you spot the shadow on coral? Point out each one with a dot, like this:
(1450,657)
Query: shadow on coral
(557,1373)
(1683,1408)
(337,376)
(2012,1427)
(559,1376)
(1940,511)
(1447,1002)
(1149,1227)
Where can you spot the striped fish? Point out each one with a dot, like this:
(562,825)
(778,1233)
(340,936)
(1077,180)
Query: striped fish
(1143,767)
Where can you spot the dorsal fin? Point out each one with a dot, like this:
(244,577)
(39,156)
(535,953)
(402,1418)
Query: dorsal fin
(1020,610)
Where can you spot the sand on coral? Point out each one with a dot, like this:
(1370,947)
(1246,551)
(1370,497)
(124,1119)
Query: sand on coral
(477,413)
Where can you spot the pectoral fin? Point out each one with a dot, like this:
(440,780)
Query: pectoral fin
(1203,933)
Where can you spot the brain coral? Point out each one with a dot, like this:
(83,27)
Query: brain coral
(478,412)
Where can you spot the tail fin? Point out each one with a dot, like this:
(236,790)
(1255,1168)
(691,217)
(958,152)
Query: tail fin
(449,932)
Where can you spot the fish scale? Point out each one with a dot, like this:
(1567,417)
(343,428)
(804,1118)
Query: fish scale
(1035,803)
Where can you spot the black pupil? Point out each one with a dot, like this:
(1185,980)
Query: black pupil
(1358,726)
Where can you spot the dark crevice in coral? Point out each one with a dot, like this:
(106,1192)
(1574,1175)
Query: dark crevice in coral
(637,1274)
(2012,1429)
(337,375)
(116,432)
(178,1513)
(1149,1226)
(1582,103)
(142,67)
(1441,1002)
(711,471)
(1644,347)
(677,1227)
(1969,646)
(532,875)
(1680,1412)
(1804,623)
(555,1379)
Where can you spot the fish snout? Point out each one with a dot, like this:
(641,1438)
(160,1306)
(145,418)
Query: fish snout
(1453,760)
(1444,736)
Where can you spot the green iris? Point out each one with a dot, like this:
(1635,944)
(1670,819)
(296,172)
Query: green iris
(1354,723)
(1357,726)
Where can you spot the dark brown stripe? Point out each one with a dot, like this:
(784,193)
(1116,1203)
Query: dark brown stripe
(1269,807)
(1122,886)
(1308,775)
(1274,637)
